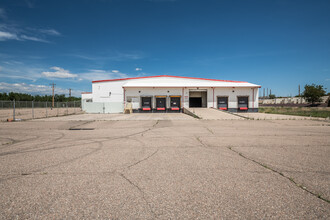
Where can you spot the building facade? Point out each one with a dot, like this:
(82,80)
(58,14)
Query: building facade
(170,94)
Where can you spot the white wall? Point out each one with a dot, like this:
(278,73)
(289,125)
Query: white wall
(252,93)
(134,92)
(103,107)
(86,96)
(232,96)
(101,91)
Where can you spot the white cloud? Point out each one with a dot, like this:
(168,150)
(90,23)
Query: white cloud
(115,71)
(50,32)
(9,30)
(59,73)
(18,70)
(33,88)
(138,69)
(24,37)
(115,56)
(12,62)
(13,34)
(7,36)
(92,75)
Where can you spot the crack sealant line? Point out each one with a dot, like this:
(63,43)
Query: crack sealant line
(281,174)
(141,191)
(100,147)
(85,123)
(209,130)
(94,150)
(201,142)
(146,158)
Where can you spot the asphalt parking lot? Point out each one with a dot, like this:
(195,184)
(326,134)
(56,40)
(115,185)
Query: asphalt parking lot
(86,166)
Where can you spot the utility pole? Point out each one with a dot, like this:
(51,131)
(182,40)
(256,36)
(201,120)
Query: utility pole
(264,94)
(69,92)
(53,88)
(300,94)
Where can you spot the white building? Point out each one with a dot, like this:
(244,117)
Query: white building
(170,93)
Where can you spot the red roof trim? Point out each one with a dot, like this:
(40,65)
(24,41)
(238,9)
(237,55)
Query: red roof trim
(183,77)
(86,93)
(190,87)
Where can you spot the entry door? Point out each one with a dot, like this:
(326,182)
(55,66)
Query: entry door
(161,104)
(195,102)
(243,103)
(146,103)
(223,103)
(175,103)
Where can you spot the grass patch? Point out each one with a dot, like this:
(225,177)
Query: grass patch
(299,111)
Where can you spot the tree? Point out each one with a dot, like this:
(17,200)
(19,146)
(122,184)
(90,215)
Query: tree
(38,98)
(313,93)
(272,96)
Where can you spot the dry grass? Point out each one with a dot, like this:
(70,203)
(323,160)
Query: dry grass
(319,112)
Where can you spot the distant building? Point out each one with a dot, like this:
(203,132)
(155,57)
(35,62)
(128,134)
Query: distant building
(170,94)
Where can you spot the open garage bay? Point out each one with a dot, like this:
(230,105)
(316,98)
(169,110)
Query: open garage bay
(164,168)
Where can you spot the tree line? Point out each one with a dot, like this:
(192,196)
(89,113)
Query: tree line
(312,93)
(38,98)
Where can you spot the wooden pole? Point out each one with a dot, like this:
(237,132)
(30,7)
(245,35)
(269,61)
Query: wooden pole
(53,100)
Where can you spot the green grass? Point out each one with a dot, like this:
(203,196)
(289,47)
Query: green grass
(300,111)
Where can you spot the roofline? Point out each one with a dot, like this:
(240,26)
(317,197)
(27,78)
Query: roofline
(183,77)
(86,93)
(192,86)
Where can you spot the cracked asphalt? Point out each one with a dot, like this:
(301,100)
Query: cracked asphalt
(164,169)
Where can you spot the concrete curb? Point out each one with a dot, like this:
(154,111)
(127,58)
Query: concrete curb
(186,111)
(233,114)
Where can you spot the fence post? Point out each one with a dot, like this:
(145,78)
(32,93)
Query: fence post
(46,110)
(74,106)
(14,110)
(57,108)
(32,110)
(67,108)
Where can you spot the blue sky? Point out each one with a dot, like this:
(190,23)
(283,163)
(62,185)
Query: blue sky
(278,44)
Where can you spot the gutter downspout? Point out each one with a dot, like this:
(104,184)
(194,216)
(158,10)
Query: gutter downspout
(124,96)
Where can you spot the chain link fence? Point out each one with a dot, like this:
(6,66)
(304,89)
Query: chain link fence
(24,110)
